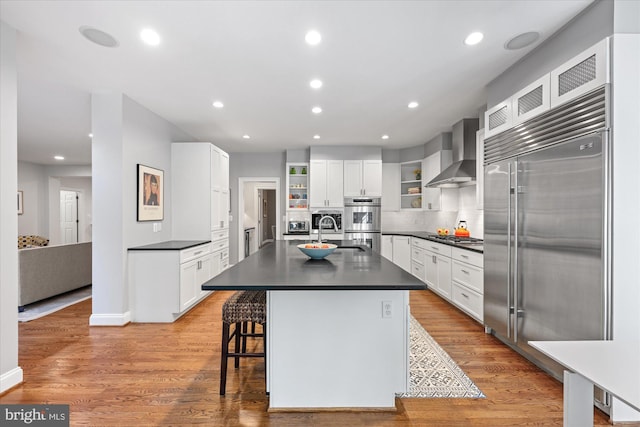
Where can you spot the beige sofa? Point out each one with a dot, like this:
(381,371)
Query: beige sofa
(52,270)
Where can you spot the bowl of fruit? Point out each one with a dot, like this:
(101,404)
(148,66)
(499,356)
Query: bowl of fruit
(317,250)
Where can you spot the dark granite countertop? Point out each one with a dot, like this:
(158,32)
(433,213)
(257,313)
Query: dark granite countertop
(475,247)
(170,245)
(282,266)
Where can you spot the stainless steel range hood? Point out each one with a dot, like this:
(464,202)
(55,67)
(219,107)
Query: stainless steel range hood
(463,168)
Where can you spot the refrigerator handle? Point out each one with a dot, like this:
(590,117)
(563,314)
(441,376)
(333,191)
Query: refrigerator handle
(509,281)
(515,312)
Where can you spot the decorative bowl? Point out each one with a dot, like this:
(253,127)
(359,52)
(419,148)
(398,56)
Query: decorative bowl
(317,250)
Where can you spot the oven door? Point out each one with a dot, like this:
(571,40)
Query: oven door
(327,226)
(362,218)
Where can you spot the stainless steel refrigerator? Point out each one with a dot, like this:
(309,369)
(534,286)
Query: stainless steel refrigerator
(546,274)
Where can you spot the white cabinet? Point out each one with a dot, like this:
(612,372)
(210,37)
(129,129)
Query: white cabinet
(531,101)
(167,283)
(362,178)
(411,185)
(431,166)
(498,118)
(386,247)
(390,188)
(297,186)
(581,74)
(326,183)
(438,268)
(402,252)
(199,190)
(468,282)
(418,257)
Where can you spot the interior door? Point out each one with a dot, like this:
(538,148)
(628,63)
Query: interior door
(68,216)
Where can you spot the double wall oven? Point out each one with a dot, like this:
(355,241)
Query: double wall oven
(362,221)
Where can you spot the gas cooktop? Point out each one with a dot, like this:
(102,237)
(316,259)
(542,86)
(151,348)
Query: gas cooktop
(457,239)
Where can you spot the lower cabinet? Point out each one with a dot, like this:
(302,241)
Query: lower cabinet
(402,252)
(456,274)
(167,283)
(386,247)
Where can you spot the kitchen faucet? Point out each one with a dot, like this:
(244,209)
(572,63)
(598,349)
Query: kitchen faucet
(335,226)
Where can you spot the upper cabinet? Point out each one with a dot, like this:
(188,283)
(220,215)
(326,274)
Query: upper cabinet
(390,188)
(581,74)
(297,186)
(199,190)
(326,184)
(411,185)
(431,166)
(362,178)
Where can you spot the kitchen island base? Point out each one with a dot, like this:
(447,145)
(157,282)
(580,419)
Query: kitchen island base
(337,349)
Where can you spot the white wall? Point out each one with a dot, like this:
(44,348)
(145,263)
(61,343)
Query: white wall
(124,134)
(32,181)
(10,372)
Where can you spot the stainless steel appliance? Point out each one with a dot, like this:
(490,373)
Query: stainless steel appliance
(362,221)
(463,168)
(298,227)
(546,229)
(328,228)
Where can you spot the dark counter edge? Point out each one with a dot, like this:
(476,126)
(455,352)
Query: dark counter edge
(170,245)
(427,236)
(314,287)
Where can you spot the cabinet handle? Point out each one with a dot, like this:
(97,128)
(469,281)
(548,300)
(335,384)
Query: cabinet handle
(464,295)
(434,259)
(435,249)
(197,253)
(464,256)
(464,271)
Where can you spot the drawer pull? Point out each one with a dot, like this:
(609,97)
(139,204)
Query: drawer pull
(464,295)
(434,259)
(464,271)
(434,248)
(464,256)
(197,253)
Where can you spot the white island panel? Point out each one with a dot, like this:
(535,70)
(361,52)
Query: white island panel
(334,349)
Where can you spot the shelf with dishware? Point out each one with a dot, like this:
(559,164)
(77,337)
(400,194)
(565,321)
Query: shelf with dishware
(297,186)
(411,185)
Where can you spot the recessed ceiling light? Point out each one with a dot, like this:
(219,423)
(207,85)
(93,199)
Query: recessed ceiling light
(218,104)
(98,37)
(522,40)
(473,38)
(58,157)
(413,104)
(313,38)
(316,110)
(316,84)
(246,136)
(150,37)
(385,136)
(90,135)
(316,136)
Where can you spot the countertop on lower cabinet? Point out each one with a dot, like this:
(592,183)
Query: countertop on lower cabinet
(475,247)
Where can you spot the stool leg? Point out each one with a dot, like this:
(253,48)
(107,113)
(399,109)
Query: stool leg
(245,331)
(236,349)
(223,360)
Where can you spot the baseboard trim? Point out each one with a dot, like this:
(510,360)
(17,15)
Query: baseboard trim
(115,319)
(11,379)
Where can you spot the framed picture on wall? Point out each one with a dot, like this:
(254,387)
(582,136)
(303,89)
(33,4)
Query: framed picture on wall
(20,205)
(150,194)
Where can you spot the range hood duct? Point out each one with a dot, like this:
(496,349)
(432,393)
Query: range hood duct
(463,168)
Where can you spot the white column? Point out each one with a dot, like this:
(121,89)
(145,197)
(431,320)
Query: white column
(578,401)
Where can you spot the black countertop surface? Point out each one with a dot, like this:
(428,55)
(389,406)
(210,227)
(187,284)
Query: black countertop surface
(170,245)
(475,247)
(282,266)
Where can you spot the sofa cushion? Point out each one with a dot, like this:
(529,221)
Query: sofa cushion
(32,241)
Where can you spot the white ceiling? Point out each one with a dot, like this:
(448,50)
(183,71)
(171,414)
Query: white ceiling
(374,58)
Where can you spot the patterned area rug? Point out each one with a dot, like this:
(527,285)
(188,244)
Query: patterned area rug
(51,305)
(432,373)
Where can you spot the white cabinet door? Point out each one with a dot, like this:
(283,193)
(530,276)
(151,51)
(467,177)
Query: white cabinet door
(431,167)
(352,178)
(390,187)
(371,178)
(402,252)
(444,276)
(431,269)
(386,249)
(217,222)
(224,172)
(216,172)
(188,274)
(335,183)
(317,183)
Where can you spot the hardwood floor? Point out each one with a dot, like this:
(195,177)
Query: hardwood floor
(168,375)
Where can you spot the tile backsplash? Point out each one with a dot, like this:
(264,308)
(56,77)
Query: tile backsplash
(420,220)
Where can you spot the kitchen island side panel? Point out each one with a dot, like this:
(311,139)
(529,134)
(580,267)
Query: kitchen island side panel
(334,349)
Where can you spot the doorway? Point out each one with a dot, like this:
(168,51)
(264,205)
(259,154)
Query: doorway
(258,212)
(69,217)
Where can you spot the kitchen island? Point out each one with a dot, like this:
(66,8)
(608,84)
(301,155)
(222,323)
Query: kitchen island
(338,331)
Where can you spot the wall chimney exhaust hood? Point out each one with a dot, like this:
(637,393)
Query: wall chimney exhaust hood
(463,168)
